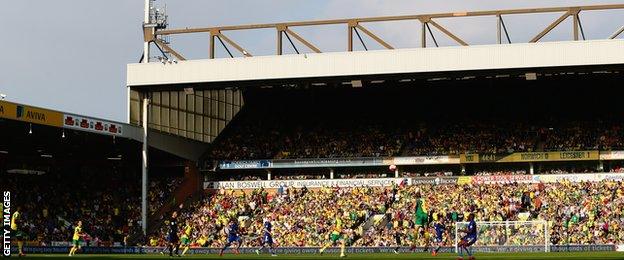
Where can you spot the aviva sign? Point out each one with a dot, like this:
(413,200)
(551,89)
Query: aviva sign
(30,114)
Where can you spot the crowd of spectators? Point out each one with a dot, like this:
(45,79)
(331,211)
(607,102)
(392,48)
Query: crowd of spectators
(107,201)
(576,213)
(160,191)
(371,139)
(302,217)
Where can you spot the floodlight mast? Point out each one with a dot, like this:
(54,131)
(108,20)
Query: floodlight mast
(146,22)
(147,30)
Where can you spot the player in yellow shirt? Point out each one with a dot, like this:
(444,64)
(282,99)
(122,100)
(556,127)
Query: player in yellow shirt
(336,235)
(186,237)
(76,238)
(19,235)
(153,241)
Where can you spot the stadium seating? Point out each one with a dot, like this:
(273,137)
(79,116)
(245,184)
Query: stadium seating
(107,201)
(160,191)
(586,213)
(412,141)
(343,123)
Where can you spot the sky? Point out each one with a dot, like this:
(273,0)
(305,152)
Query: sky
(71,55)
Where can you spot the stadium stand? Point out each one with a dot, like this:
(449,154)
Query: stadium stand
(109,207)
(338,123)
(578,213)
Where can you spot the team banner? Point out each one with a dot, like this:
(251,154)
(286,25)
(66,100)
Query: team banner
(274,184)
(30,114)
(612,155)
(92,125)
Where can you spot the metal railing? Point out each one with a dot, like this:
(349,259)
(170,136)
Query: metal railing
(356,25)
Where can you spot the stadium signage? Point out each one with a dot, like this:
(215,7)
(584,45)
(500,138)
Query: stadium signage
(424,160)
(335,162)
(502,179)
(552,156)
(479,158)
(255,164)
(385,182)
(419,160)
(544,178)
(313,250)
(434,180)
(30,114)
(612,155)
(532,157)
(235,185)
(92,125)
(585,177)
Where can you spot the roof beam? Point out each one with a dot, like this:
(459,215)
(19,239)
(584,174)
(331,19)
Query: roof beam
(445,31)
(374,37)
(302,40)
(165,46)
(617,33)
(389,18)
(551,26)
(236,46)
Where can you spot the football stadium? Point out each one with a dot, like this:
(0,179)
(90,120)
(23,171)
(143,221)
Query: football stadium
(448,149)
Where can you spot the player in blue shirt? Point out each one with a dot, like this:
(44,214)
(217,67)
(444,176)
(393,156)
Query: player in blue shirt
(233,236)
(469,239)
(439,229)
(267,238)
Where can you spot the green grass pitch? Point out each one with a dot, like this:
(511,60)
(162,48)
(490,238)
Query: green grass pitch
(479,256)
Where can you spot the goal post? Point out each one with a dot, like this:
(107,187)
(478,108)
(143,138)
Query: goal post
(504,236)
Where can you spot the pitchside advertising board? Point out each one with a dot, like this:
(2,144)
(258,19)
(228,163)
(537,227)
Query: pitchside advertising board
(314,250)
(386,182)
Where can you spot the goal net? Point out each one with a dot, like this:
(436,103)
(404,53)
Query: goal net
(508,236)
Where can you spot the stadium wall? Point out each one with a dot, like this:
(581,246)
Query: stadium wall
(200,115)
